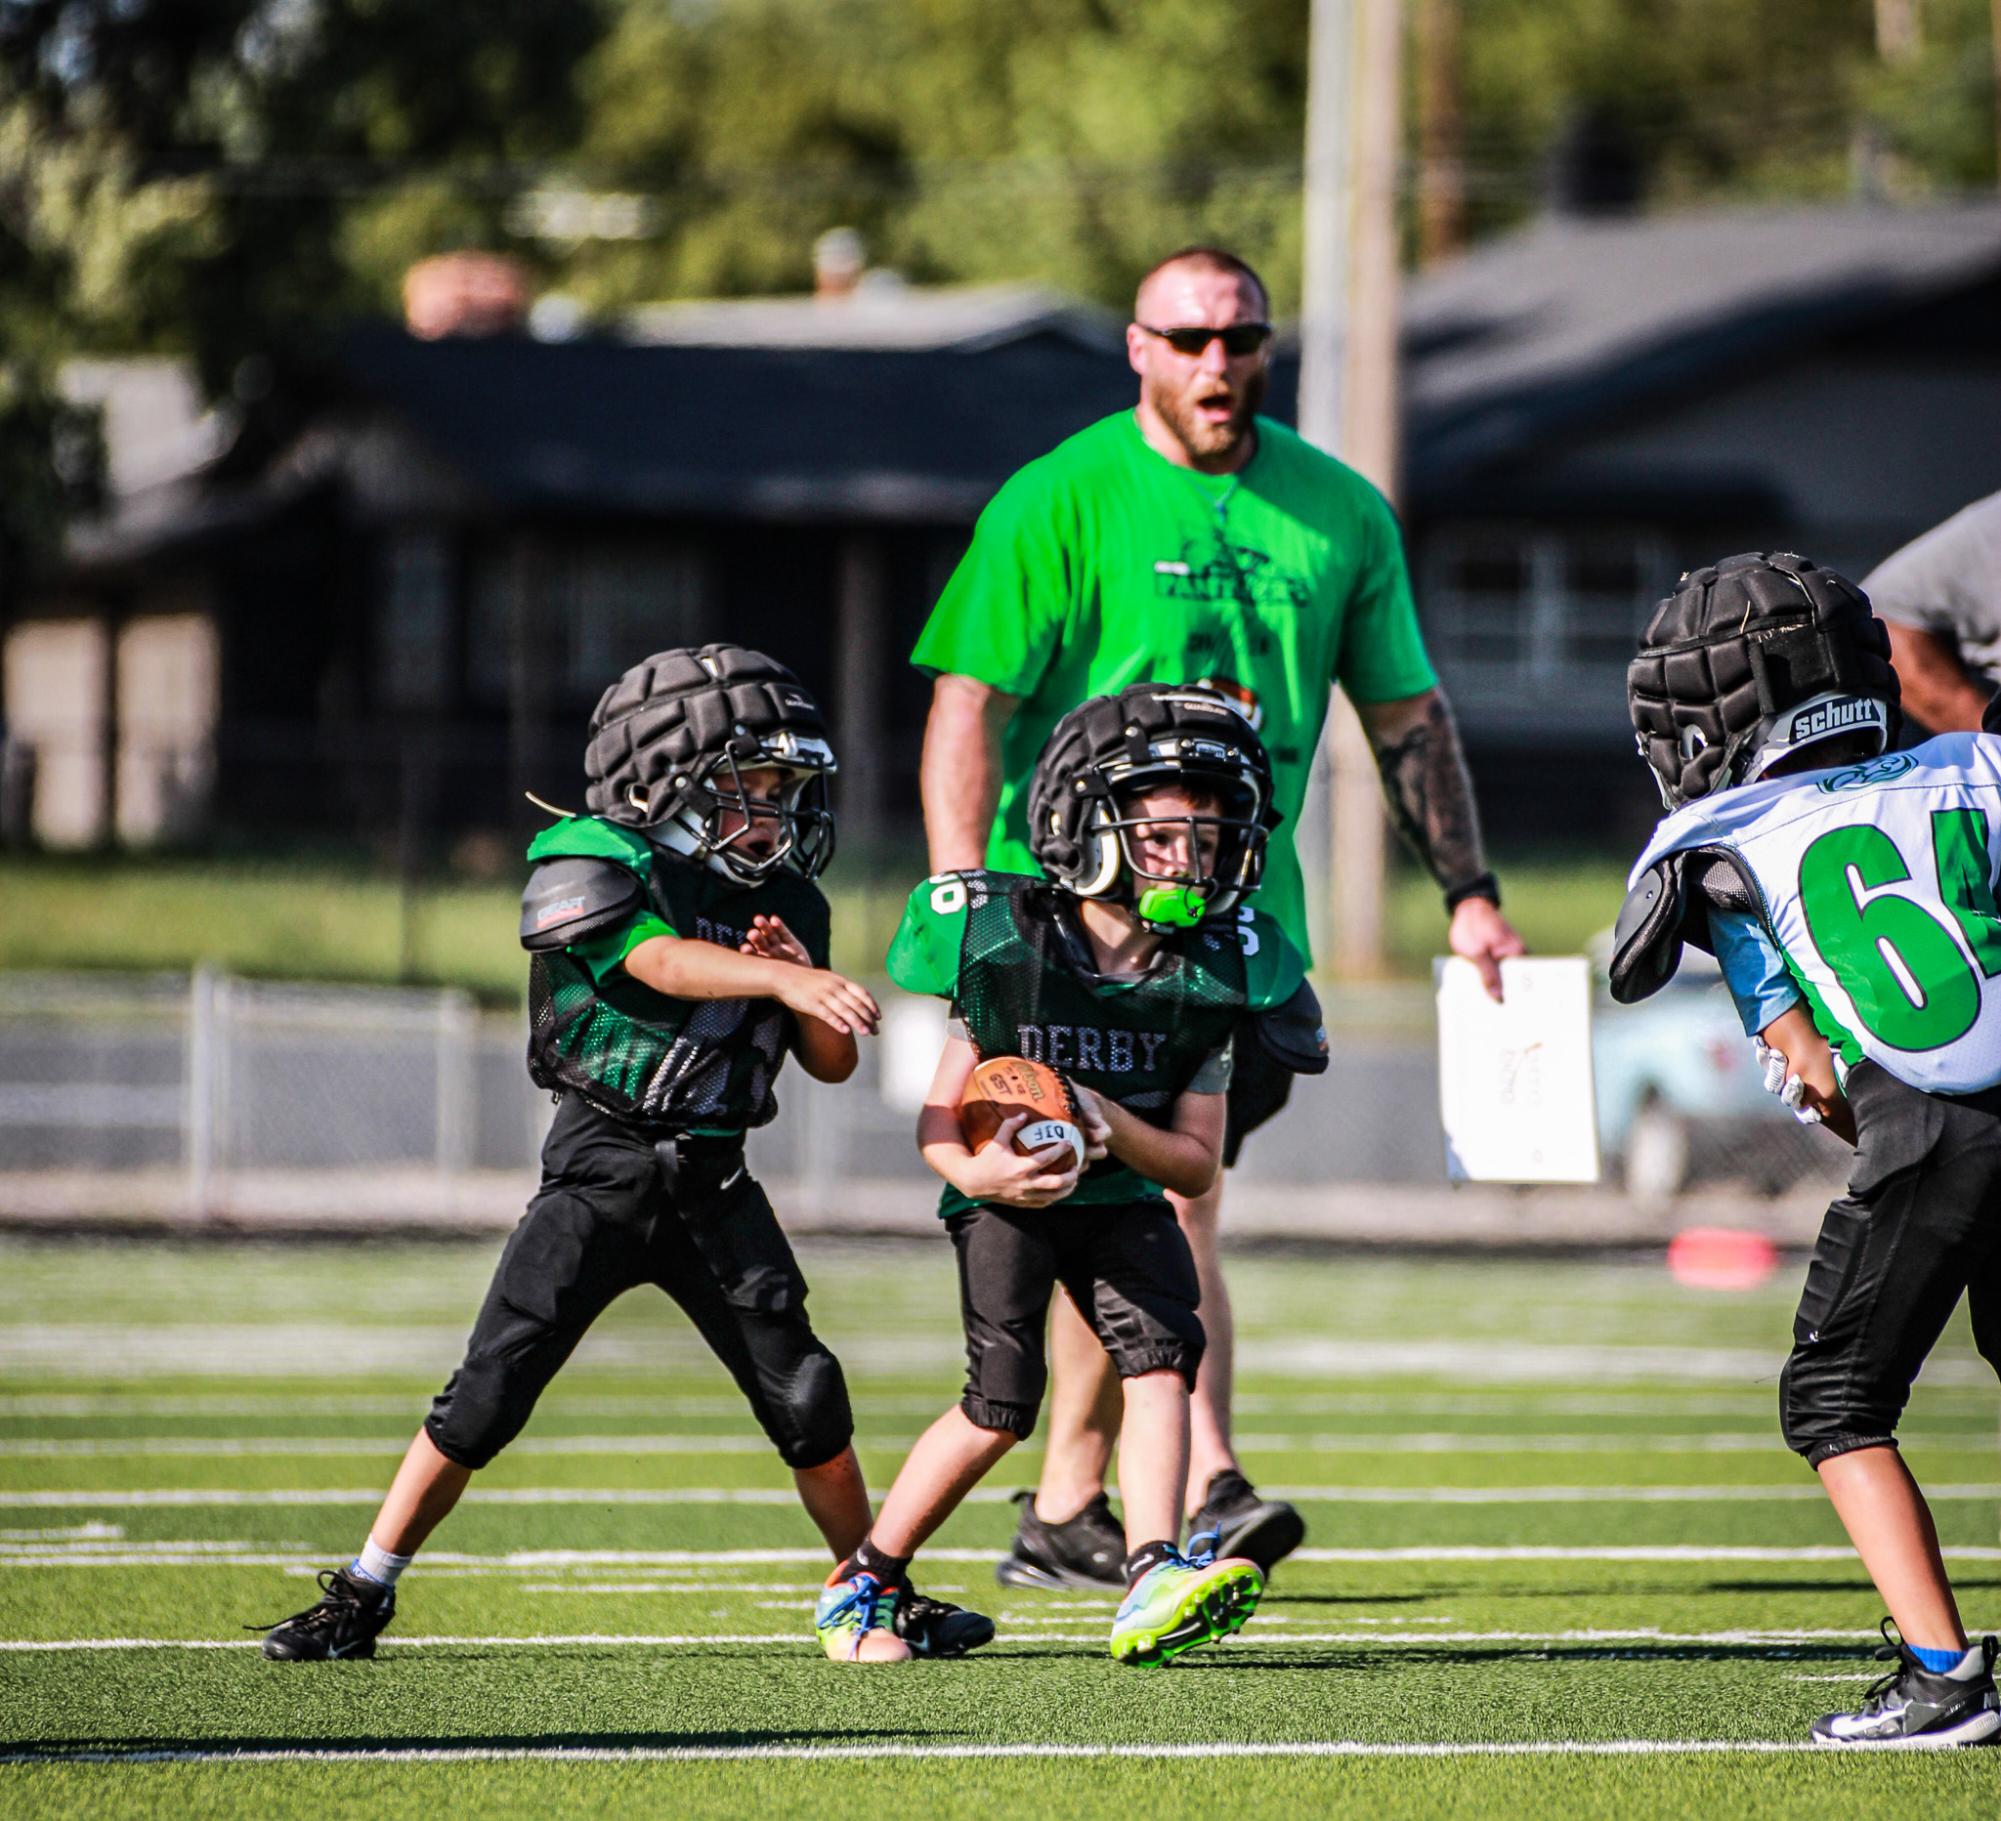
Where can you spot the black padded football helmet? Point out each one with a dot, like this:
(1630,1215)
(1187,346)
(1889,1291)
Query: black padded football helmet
(1751,662)
(1108,750)
(670,742)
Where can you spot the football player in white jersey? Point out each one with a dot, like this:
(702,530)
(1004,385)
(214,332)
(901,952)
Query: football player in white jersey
(1847,889)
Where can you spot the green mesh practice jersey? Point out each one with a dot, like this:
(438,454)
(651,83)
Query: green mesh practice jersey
(1102,563)
(1876,881)
(1002,949)
(685,1065)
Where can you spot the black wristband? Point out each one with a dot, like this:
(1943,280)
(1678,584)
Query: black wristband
(1485,886)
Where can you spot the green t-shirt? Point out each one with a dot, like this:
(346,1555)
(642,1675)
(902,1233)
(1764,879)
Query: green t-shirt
(1103,564)
(1002,950)
(693,1066)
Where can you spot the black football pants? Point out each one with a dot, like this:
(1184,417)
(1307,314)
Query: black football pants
(615,1210)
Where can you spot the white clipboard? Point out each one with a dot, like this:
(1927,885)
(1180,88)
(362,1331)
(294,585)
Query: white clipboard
(1514,1078)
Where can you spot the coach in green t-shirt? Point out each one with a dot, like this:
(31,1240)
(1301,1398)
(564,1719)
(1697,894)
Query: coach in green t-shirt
(1187,540)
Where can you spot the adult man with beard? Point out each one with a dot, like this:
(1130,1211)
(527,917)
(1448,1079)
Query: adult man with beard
(1188,540)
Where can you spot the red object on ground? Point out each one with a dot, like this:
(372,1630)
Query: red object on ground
(1721,1258)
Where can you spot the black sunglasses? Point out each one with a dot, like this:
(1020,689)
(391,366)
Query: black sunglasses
(1239,338)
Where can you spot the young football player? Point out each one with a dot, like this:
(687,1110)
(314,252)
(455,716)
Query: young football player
(678,953)
(1848,891)
(1126,970)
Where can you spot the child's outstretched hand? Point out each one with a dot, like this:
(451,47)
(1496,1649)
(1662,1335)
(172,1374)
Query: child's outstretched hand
(819,992)
(770,940)
(1091,1116)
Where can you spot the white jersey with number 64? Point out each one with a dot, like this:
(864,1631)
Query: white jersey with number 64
(1878,883)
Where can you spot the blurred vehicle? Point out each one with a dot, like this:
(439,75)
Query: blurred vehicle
(1681,1097)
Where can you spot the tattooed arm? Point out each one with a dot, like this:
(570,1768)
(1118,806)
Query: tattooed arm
(1431,803)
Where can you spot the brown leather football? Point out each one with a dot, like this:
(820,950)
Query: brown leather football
(1003,1086)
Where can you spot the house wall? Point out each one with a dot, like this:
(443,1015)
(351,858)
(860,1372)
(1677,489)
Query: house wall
(1533,613)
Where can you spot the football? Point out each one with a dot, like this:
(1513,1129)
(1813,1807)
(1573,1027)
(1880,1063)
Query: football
(1002,1086)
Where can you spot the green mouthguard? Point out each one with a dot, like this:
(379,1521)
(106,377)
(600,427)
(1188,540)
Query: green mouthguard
(1180,906)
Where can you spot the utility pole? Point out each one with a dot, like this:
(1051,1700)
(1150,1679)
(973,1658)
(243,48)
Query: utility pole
(1322,319)
(1441,132)
(1899,30)
(1995,45)
(1348,393)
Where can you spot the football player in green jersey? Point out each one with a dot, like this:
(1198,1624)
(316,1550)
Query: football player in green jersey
(1127,970)
(1847,891)
(678,952)
(1191,537)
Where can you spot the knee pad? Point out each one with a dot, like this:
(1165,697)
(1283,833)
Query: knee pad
(811,1421)
(1816,1423)
(1017,1420)
(478,1413)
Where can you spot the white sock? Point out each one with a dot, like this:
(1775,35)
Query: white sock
(375,1563)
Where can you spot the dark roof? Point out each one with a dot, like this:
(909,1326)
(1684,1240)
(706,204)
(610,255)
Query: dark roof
(1573,322)
(1548,333)
(599,426)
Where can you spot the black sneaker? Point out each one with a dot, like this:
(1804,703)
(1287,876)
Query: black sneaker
(1264,1531)
(1088,1550)
(344,1623)
(1913,1707)
(937,1628)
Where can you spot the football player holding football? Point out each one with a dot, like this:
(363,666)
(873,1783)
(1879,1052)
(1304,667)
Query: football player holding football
(1126,967)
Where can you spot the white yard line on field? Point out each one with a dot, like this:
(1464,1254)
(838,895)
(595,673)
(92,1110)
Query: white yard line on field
(323,1350)
(1444,1442)
(539,1561)
(877,1750)
(1250,1640)
(196,1498)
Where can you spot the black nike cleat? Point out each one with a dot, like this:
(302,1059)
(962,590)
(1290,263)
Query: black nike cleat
(344,1622)
(1264,1531)
(1088,1550)
(937,1628)
(1912,1707)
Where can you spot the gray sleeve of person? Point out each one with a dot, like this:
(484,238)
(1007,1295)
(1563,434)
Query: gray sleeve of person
(1212,1075)
(1949,581)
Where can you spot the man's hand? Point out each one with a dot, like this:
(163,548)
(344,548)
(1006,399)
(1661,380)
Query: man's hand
(819,992)
(770,940)
(1481,935)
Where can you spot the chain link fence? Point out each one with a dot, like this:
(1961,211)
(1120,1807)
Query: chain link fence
(207,1095)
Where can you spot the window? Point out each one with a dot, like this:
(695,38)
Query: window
(595,610)
(415,647)
(1541,616)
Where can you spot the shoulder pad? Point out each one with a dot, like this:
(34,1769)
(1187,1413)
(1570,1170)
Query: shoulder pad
(592,837)
(1646,939)
(1293,1034)
(572,898)
(1669,905)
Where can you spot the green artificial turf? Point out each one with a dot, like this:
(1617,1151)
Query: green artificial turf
(1548,1510)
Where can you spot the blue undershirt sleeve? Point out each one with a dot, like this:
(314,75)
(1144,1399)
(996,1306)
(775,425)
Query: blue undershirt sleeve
(1753,969)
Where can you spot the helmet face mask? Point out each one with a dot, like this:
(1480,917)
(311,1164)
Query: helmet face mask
(720,755)
(1100,828)
(729,816)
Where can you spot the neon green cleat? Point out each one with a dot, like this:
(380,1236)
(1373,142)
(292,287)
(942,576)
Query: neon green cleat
(856,1622)
(1191,1600)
